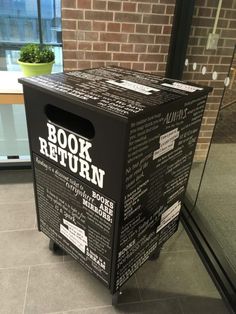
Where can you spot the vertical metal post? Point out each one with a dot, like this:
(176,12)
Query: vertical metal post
(40,22)
(179,38)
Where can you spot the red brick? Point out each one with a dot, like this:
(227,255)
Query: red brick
(140,48)
(114,5)
(128,17)
(155,19)
(228,33)
(166,29)
(70,65)
(99,26)
(125,56)
(126,65)
(158,8)
(155,29)
(81,35)
(136,38)
(69,54)
(168,1)
(84,46)
(69,44)
(138,66)
(150,66)
(161,67)
(142,28)
(164,49)
(113,37)
(69,35)
(127,47)
(84,4)
(99,46)
(93,55)
(80,55)
(99,5)
(84,65)
(127,28)
(72,14)
(162,39)
(110,63)
(98,15)
(113,47)
(91,36)
(113,27)
(68,4)
(153,48)
(69,24)
(129,6)
(98,64)
(170,9)
(84,25)
(144,7)
(151,57)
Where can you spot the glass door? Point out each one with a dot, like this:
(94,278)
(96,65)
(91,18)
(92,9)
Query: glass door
(21,22)
(210,198)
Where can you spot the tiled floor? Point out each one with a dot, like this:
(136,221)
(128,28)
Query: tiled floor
(33,280)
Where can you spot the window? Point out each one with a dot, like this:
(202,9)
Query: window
(29,21)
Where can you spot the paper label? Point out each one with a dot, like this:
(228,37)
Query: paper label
(181,86)
(167,143)
(171,213)
(143,89)
(74,234)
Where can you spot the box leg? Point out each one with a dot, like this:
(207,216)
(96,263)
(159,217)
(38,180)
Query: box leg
(115,297)
(155,254)
(56,249)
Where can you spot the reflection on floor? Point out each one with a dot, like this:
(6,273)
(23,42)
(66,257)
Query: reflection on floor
(225,131)
(216,201)
(35,281)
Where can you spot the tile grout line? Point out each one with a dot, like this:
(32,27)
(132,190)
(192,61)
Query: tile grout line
(18,230)
(180,305)
(26,290)
(139,292)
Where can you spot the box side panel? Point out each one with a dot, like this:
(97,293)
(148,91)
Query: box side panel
(77,179)
(160,154)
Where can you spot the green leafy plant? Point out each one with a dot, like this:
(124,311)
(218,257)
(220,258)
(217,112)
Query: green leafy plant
(34,53)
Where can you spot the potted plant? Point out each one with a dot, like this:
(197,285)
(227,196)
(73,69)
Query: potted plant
(36,59)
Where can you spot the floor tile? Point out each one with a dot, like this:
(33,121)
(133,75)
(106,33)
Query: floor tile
(67,286)
(175,274)
(14,216)
(12,290)
(170,306)
(16,186)
(178,242)
(28,247)
(203,305)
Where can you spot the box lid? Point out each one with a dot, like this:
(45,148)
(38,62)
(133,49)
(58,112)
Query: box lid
(116,90)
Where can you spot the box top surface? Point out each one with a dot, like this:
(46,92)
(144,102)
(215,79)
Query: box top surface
(118,91)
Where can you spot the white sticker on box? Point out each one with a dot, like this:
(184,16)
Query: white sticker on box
(75,235)
(170,214)
(143,89)
(181,86)
(167,143)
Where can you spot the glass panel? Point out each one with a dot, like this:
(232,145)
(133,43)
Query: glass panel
(207,62)
(20,24)
(216,202)
(211,190)
(51,21)
(19,21)
(13,131)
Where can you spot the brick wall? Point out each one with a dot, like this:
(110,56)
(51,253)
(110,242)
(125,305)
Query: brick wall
(214,60)
(132,34)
